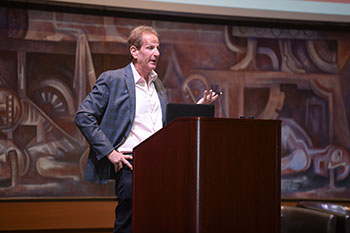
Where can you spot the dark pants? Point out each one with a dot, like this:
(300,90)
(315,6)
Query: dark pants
(123,190)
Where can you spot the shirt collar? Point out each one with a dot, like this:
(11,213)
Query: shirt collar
(137,77)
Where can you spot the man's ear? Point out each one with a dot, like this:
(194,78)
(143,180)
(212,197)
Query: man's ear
(133,51)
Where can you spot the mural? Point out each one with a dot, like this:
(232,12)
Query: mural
(50,60)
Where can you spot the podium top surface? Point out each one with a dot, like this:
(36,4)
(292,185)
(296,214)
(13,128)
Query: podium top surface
(216,119)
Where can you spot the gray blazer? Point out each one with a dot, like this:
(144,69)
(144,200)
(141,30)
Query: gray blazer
(105,118)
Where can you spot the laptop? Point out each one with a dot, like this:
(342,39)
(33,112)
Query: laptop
(174,110)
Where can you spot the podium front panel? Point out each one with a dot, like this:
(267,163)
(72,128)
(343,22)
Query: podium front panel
(208,175)
(164,179)
(239,176)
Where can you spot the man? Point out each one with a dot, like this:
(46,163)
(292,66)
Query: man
(125,107)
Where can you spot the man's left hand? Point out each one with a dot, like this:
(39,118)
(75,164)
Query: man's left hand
(209,97)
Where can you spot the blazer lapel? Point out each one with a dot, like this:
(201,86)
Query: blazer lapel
(130,85)
(162,97)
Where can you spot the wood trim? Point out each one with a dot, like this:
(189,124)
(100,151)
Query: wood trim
(46,215)
(93,216)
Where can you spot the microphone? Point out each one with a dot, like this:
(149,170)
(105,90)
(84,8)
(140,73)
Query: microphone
(219,93)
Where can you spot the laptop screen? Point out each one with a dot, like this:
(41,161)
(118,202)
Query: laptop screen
(174,110)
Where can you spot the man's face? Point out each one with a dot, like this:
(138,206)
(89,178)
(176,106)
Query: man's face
(147,56)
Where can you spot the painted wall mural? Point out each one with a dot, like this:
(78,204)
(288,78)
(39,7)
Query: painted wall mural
(50,60)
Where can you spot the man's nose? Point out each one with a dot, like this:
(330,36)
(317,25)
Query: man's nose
(156,52)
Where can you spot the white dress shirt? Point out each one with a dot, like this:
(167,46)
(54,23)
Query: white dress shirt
(148,114)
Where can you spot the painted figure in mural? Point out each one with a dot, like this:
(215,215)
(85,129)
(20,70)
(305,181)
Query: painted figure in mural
(125,107)
(332,161)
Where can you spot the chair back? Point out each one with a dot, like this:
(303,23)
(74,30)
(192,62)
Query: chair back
(301,220)
(341,212)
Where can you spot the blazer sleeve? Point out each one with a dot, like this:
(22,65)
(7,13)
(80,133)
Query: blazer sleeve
(90,114)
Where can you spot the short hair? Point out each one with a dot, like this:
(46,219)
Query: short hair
(135,37)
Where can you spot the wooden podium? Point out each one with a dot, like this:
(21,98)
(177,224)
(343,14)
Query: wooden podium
(205,175)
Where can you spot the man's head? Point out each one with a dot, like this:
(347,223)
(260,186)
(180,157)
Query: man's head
(144,49)
(135,37)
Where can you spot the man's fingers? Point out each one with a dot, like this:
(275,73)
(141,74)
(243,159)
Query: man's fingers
(128,157)
(116,167)
(126,162)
